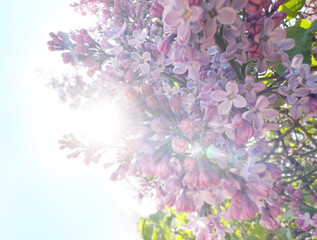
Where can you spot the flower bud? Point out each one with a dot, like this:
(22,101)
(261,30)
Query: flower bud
(156,10)
(207,176)
(190,163)
(147,90)
(186,126)
(190,180)
(179,145)
(151,101)
(131,94)
(163,168)
(184,204)
(237,121)
(195,2)
(176,103)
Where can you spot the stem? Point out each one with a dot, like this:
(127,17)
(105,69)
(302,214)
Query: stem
(221,44)
(301,127)
(174,79)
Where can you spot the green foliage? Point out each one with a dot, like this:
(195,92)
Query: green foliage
(163,225)
(303,38)
(292,7)
(259,232)
(284,234)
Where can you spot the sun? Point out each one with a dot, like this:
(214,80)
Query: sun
(101,122)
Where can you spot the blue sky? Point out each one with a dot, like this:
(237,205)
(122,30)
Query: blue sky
(44,195)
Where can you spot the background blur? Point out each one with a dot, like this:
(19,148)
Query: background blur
(44,195)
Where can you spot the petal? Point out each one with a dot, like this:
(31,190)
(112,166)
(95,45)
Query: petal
(219,95)
(261,66)
(278,35)
(173,18)
(293,83)
(239,101)
(301,92)
(287,44)
(212,27)
(228,34)
(180,68)
(291,99)
(248,115)
(262,102)
(283,90)
(268,47)
(135,56)
(259,167)
(226,15)
(183,33)
(145,68)
(258,122)
(258,87)
(225,107)
(268,25)
(251,96)
(297,61)
(146,56)
(181,4)
(269,114)
(232,47)
(232,87)
(196,13)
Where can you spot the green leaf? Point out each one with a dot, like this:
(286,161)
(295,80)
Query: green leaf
(165,231)
(303,38)
(295,5)
(290,13)
(303,23)
(292,7)
(145,228)
(259,232)
(157,216)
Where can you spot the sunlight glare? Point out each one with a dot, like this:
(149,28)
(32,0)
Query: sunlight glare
(100,122)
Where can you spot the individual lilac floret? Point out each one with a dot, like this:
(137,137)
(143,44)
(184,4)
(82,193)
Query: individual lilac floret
(260,112)
(141,62)
(138,38)
(250,88)
(269,35)
(236,39)
(292,92)
(307,78)
(184,18)
(229,97)
(216,12)
(301,106)
(200,47)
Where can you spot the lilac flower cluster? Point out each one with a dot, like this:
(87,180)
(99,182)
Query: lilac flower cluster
(190,71)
